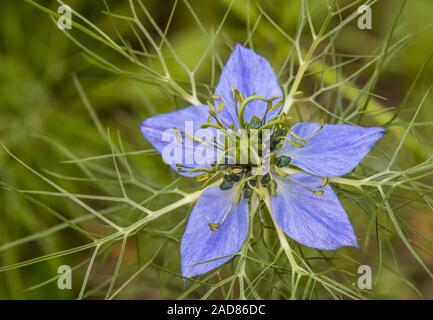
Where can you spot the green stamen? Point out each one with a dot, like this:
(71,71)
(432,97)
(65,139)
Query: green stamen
(248,100)
(296,144)
(214,226)
(319,193)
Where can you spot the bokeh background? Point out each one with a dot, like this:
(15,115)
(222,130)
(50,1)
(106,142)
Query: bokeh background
(44,121)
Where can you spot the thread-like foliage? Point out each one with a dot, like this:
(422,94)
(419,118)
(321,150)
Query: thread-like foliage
(126,222)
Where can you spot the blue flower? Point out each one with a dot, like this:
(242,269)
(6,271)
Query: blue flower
(302,203)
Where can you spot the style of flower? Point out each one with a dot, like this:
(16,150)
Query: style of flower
(304,158)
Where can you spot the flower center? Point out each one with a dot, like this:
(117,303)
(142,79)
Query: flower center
(248,160)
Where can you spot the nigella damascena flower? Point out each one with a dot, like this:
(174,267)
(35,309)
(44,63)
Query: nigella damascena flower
(302,159)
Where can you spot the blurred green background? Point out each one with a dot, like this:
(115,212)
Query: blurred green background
(43,121)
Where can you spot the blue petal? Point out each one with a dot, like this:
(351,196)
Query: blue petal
(334,150)
(200,244)
(250,74)
(315,221)
(153,130)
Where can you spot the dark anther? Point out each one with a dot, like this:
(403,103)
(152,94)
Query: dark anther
(255,123)
(265,180)
(278,133)
(226,185)
(277,137)
(248,192)
(234,177)
(282,161)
